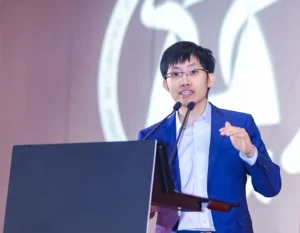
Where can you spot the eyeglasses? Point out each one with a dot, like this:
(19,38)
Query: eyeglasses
(191,73)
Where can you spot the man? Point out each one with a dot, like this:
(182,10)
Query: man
(218,147)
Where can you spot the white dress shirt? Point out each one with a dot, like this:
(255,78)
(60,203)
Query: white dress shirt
(193,151)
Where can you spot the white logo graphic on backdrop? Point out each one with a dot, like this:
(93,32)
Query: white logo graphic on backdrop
(109,64)
(250,80)
(290,159)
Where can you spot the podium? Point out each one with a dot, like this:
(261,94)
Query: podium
(92,187)
(165,195)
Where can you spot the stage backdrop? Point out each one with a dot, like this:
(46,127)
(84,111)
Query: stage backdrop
(88,70)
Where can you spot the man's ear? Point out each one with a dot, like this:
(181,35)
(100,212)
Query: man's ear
(165,85)
(211,79)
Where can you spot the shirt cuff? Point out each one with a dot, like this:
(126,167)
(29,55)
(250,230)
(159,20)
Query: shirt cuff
(251,161)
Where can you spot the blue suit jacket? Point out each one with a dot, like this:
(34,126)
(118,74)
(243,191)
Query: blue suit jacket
(227,171)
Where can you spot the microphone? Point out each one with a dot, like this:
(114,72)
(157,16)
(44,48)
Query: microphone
(176,107)
(190,107)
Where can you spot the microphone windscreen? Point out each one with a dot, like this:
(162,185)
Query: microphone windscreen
(176,106)
(191,105)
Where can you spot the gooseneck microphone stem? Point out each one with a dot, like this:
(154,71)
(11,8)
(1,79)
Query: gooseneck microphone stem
(176,107)
(190,107)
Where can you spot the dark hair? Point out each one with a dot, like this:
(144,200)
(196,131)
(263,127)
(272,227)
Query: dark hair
(182,51)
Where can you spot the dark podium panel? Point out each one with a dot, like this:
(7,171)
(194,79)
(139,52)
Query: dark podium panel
(81,187)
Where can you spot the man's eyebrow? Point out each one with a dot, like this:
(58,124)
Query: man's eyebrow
(193,64)
(177,67)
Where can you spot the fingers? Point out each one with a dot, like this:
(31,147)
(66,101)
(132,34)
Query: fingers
(239,138)
(226,127)
(227,124)
(229,131)
(234,131)
(240,135)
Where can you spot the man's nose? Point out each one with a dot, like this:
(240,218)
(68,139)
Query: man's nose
(185,79)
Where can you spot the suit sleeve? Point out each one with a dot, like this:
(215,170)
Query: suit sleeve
(266,178)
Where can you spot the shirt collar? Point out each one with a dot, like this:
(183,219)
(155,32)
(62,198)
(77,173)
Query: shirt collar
(206,116)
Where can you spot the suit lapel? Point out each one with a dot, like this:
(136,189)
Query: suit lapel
(217,122)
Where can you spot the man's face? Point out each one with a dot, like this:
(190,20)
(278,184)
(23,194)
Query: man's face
(191,85)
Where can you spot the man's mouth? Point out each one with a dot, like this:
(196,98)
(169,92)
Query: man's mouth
(186,92)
